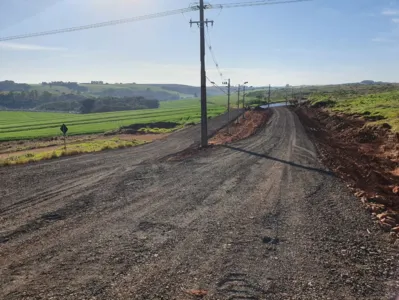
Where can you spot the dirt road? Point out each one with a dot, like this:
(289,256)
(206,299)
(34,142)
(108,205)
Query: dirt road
(258,219)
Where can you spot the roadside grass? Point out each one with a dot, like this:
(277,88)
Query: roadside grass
(73,149)
(148,130)
(378,108)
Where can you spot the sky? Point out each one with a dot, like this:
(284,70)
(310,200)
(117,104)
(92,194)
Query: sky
(315,42)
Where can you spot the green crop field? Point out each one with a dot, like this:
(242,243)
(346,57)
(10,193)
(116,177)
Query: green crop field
(29,125)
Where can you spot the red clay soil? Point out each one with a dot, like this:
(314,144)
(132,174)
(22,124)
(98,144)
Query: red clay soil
(365,156)
(244,128)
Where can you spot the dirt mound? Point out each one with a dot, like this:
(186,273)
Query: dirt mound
(239,129)
(367,157)
(242,129)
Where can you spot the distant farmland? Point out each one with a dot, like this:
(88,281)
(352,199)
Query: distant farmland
(30,125)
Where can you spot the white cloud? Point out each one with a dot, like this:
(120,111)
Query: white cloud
(390,12)
(396,20)
(27,47)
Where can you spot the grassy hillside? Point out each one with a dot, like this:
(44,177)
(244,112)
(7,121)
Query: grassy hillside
(382,107)
(28,125)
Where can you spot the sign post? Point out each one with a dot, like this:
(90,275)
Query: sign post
(64,130)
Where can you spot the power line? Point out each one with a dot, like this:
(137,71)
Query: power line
(147,17)
(216,86)
(253,3)
(209,43)
(102,24)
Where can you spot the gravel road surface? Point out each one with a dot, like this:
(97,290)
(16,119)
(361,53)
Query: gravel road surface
(257,219)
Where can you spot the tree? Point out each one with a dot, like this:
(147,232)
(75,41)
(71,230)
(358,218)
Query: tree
(46,96)
(87,106)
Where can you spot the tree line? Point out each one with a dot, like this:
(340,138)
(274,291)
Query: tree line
(33,100)
(74,86)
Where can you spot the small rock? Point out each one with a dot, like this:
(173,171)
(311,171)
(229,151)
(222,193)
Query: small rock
(384,215)
(363,199)
(395,229)
(360,194)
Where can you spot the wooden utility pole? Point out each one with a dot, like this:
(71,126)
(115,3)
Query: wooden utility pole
(228,105)
(238,102)
(268,98)
(286,95)
(204,118)
(238,99)
(292,91)
(243,96)
(243,101)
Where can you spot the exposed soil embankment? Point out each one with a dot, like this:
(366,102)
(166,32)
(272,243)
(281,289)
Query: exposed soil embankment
(239,129)
(365,156)
(245,127)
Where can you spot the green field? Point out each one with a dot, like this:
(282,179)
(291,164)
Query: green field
(29,125)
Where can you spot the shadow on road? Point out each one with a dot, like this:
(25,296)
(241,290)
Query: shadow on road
(281,160)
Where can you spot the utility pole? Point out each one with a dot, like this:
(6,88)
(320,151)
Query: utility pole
(268,99)
(238,102)
(204,118)
(286,95)
(228,105)
(243,99)
(300,94)
(292,91)
(238,99)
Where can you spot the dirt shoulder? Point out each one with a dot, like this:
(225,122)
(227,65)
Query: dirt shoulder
(365,156)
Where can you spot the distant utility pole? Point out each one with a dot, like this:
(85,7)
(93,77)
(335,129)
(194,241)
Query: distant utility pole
(238,99)
(228,105)
(243,98)
(204,118)
(268,98)
(238,102)
(300,94)
(286,95)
